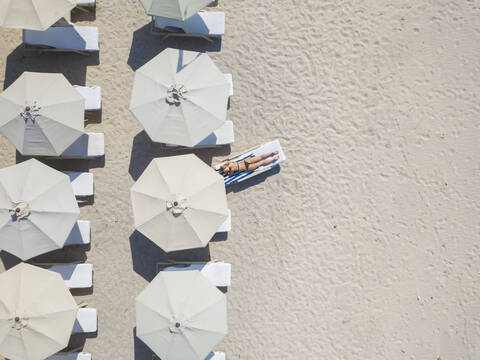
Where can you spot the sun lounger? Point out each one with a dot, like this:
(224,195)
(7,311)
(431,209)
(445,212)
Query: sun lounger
(218,273)
(86,321)
(82,183)
(204,24)
(227,225)
(71,356)
(89,145)
(259,150)
(80,39)
(216,356)
(92,95)
(86,3)
(82,4)
(80,234)
(76,276)
(229,77)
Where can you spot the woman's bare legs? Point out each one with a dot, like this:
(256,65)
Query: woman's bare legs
(258,158)
(256,165)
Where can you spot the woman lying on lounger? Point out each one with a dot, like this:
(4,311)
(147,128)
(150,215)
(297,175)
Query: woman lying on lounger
(249,164)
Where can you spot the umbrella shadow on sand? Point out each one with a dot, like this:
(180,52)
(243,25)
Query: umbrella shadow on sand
(75,165)
(73,66)
(66,255)
(145,46)
(84,14)
(141,350)
(148,258)
(144,151)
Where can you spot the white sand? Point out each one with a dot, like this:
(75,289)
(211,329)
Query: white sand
(366,244)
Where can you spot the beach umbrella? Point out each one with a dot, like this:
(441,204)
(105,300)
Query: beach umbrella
(180,97)
(38,209)
(41,114)
(181,315)
(37,313)
(33,14)
(179,202)
(174,9)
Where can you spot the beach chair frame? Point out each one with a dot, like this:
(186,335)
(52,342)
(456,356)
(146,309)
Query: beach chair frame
(167,33)
(43,48)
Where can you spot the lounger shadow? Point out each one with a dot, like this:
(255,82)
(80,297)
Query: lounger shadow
(141,350)
(237,187)
(146,254)
(144,151)
(146,46)
(74,67)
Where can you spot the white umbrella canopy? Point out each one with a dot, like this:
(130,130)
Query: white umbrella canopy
(180,97)
(41,114)
(179,202)
(38,209)
(33,14)
(174,9)
(181,315)
(37,313)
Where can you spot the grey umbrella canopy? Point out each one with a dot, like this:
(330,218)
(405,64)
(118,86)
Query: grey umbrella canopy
(179,202)
(37,313)
(174,9)
(33,14)
(38,209)
(180,97)
(181,315)
(41,114)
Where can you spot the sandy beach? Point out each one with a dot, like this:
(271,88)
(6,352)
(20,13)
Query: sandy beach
(365,244)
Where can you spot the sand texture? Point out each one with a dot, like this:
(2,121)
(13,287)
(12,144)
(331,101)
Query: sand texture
(365,245)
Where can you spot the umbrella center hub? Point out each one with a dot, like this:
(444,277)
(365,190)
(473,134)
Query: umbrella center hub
(19,210)
(176,94)
(30,113)
(177,207)
(18,322)
(175,327)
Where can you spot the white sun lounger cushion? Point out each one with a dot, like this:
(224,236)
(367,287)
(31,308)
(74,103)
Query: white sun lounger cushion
(82,183)
(262,149)
(76,276)
(218,273)
(211,23)
(227,225)
(86,321)
(71,356)
(80,234)
(229,77)
(80,38)
(85,2)
(216,356)
(89,145)
(92,95)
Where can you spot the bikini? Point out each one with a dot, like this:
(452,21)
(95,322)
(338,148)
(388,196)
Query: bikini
(247,164)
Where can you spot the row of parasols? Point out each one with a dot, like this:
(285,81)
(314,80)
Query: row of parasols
(40,15)
(180,97)
(180,315)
